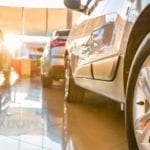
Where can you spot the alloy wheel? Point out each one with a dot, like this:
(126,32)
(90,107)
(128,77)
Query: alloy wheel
(141,107)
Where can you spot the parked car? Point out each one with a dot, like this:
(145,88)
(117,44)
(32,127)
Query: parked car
(108,53)
(53,57)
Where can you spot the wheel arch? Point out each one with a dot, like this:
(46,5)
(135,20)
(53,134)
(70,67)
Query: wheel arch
(139,31)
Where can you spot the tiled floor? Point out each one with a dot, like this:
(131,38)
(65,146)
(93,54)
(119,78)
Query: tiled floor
(36,119)
(24,121)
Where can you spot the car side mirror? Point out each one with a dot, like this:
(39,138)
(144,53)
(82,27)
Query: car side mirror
(72,4)
(75,5)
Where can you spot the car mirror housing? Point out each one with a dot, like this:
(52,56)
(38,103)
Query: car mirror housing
(75,5)
(72,4)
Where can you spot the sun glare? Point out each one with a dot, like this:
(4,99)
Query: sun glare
(33,3)
(12,42)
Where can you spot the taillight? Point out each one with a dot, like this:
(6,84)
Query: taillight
(57,43)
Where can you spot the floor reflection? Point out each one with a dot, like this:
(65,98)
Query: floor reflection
(97,123)
(35,119)
(24,123)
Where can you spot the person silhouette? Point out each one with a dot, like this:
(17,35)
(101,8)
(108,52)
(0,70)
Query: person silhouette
(5,58)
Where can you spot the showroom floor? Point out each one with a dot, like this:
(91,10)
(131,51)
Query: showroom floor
(36,119)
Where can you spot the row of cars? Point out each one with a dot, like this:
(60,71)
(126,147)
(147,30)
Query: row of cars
(108,52)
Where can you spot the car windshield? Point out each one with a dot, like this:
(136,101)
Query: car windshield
(62,33)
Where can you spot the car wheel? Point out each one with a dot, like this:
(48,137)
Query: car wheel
(138,99)
(45,81)
(73,93)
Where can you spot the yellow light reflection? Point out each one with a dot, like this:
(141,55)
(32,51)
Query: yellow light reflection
(12,42)
(14,76)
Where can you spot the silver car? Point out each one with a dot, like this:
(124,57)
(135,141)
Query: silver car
(108,52)
(53,58)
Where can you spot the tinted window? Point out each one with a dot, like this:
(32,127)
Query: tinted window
(62,33)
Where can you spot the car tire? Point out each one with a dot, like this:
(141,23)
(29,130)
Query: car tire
(73,93)
(137,101)
(45,82)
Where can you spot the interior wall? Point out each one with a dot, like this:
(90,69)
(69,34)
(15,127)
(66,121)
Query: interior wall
(32,21)
(11,19)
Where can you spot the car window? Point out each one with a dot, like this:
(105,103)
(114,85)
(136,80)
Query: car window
(62,33)
(102,36)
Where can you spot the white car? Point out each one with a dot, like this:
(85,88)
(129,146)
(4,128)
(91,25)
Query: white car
(108,53)
(52,67)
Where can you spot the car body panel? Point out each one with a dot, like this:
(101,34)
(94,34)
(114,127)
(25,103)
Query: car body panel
(57,56)
(84,72)
(106,88)
(100,68)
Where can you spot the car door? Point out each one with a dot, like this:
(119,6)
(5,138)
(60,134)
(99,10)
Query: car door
(103,56)
(83,67)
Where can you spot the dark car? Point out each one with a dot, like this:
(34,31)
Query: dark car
(53,58)
(108,53)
